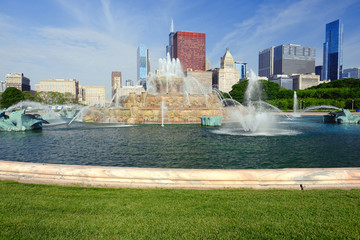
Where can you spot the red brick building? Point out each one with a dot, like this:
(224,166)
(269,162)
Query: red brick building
(190,49)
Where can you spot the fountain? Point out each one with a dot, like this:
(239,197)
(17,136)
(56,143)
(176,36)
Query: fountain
(162,113)
(255,116)
(251,149)
(295,106)
(184,97)
(19,121)
(341,116)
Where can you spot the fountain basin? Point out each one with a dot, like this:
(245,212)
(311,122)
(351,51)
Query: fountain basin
(308,178)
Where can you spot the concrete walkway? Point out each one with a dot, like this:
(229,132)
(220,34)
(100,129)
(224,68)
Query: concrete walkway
(123,177)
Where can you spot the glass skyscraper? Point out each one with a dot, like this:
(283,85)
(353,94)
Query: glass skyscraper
(242,69)
(170,47)
(142,63)
(332,61)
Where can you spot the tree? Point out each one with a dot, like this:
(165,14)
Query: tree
(10,97)
(28,96)
(55,97)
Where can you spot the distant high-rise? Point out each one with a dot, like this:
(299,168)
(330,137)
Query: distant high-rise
(294,59)
(129,83)
(190,49)
(318,71)
(142,63)
(170,47)
(18,80)
(351,73)
(266,62)
(333,51)
(226,76)
(242,69)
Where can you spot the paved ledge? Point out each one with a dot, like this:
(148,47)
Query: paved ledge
(125,177)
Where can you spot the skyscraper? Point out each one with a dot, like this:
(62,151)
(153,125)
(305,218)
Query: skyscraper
(319,71)
(170,47)
(18,80)
(266,62)
(190,49)
(241,66)
(294,59)
(332,60)
(226,76)
(142,63)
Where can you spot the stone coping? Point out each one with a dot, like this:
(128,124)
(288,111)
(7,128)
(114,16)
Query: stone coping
(129,177)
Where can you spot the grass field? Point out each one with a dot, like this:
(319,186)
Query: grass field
(29,211)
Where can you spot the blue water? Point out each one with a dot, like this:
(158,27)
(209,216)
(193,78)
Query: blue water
(298,143)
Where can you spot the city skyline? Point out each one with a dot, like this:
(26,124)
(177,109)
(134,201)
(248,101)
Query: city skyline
(87,40)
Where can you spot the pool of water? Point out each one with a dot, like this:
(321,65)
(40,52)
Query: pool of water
(303,142)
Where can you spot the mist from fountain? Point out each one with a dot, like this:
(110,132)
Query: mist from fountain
(47,112)
(170,77)
(163,108)
(320,107)
(253,117)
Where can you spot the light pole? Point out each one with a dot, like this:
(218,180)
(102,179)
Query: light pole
(352,105)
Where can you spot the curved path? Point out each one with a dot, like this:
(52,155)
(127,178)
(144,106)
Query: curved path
(98,176)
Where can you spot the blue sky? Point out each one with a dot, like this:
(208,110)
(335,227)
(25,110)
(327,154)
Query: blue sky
(88,39)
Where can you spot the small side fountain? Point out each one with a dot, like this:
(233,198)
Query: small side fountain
(19,121)
(254,116)
(341,116)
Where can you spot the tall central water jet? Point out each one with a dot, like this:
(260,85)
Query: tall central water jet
(252,115)
(295,106)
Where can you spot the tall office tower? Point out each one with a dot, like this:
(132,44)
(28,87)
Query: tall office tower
(318,71)
(333,51)
(170,47)
(142,63)
(190,49)
(18,80)
(226,76)
(294,59)
(115,84)
(266,62)
(242,69)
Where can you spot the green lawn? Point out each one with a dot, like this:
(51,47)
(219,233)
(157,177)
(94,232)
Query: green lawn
(30,211)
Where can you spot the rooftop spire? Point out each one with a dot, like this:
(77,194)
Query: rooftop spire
(172,26)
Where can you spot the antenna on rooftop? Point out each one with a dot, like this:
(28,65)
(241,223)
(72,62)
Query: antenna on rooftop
(172,26)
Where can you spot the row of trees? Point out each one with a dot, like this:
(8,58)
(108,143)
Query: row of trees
(343,93)
(13,95)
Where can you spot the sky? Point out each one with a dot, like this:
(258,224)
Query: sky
(88,39)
